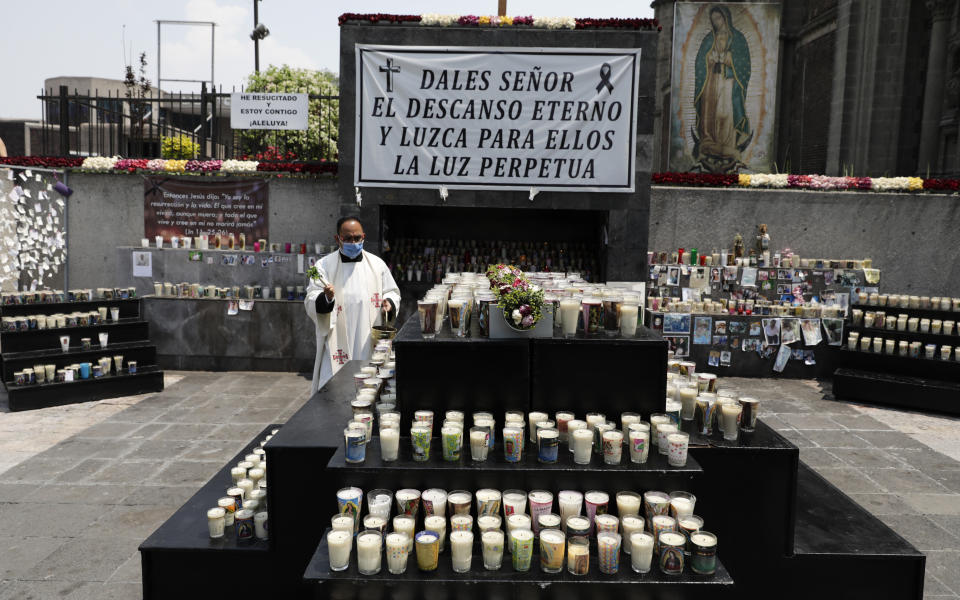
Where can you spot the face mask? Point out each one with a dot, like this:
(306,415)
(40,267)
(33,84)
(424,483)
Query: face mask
(352,250)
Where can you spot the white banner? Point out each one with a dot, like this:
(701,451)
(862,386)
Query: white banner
(257,110)
(561,119)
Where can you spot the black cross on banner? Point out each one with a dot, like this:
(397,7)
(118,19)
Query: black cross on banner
(390,69)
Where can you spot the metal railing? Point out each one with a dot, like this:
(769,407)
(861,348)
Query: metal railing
(115,124)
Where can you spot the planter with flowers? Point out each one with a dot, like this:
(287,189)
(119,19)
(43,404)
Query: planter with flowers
(520,305)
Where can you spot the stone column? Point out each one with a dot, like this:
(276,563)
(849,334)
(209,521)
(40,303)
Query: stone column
(933,91)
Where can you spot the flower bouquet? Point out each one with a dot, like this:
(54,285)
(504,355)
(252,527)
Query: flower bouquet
(520,301)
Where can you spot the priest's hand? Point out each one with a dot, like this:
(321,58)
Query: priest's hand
(386,305)
(328,292)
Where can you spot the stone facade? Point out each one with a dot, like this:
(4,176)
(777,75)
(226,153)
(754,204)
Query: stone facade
(866,87)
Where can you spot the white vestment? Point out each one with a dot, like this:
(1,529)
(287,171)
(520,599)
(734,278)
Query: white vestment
(344,333)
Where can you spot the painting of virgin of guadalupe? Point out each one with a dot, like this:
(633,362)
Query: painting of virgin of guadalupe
(723,87)
(722,130)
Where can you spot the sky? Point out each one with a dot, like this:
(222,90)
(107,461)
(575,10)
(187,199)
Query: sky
(98,39)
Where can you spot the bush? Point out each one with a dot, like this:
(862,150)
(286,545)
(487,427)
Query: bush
(319,141)
(180,147)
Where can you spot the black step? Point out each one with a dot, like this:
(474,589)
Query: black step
(481,583)
(923,313)
(838,540)
(174,555)
(148,378)
(496,472)
(129,307)
(905,391)
(907,336)
(124,330)
(144,352)
(927,368)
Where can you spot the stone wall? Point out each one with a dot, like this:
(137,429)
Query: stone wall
(912,238)
(106,211)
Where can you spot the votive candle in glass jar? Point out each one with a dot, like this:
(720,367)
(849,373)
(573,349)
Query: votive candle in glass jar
(428,550)
(664,430)
(398,551)
(552,542)
(339,544)
(389,442)
(877,345)
(641,552)
(369,555)
(582,446)
(541,502)
(612,447)
(578,555)
(865,343)
(492,543)
(678,443)
(945,352)
(639,445)
(671,553)
(930,350)
(597,503)
(628,504)
(608,552)
(890,346)
(513,444)
(461,550)
(488,501)
(703,553)
(548,445)
(216,521)
(521,549)
(570,503)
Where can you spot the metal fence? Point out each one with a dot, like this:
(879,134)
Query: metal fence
(113,123)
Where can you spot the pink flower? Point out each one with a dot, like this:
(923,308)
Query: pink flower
(527,321)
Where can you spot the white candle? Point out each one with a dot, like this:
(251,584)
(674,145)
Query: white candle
(438,525)
(655,422)
(479,444)
(342,523)
(573,425)
(514,501)
(215,522)
(570,502)
(569,313)
(405,524)
(461,550)
(246,485)
(639,445)
(682,507)
(664,430)
(339,544)
(626,420)
(628,319)
(629,525)
(389,443)
(238,473)
(688,401)
(434,502)
(488,523)
(492,542)
(368,553)
(641,554)
(606,523)
(628,503)
(534,418)
(398,549)
(582,445)
(261,525)
(730,413)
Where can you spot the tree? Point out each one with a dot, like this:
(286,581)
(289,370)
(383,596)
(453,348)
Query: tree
(319,141)
(138,88)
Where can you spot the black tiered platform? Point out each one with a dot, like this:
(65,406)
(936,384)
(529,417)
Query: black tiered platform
(129,336)
(927,384)
(481,584)
(784,532)
(546,374)
(178,559)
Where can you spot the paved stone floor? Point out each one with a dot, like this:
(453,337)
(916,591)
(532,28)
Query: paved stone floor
(82,486)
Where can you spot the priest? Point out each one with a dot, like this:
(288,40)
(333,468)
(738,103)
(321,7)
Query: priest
(352,292)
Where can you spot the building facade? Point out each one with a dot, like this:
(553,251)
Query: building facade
(865,87)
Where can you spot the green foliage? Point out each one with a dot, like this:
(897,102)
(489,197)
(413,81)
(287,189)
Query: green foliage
(179,147)
(517,299)
(319,141)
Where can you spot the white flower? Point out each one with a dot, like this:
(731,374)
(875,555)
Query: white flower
(555,22)
(768,180)
(517,317)
(239,166)
(890,184)
(438,19)
(99,163)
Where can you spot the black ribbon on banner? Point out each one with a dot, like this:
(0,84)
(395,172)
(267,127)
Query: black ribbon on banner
(605,78)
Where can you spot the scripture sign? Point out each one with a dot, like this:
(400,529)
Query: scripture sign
(559,119)
(255,110)
(191,206)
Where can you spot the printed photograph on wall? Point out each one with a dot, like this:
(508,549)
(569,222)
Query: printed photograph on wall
(724,87)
